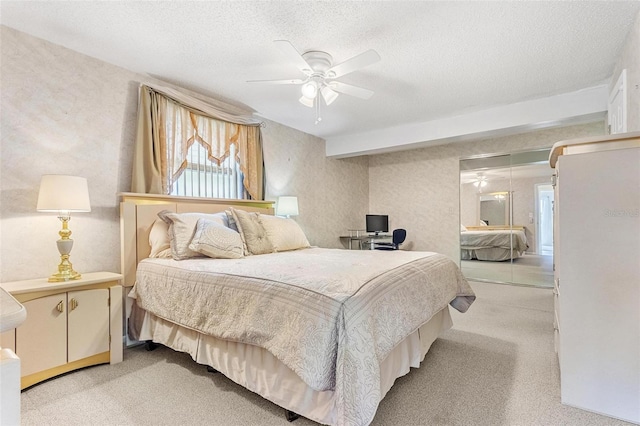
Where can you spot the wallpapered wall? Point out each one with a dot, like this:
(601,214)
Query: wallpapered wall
(66,113)
(420,189)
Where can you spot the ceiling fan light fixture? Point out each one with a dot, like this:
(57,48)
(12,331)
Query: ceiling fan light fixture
(306,101)
(328,94)
(318,68)
(310,89)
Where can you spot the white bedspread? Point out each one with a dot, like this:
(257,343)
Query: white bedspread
(505,239)
(330,315)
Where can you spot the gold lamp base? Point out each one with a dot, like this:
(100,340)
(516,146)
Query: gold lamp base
(65,269)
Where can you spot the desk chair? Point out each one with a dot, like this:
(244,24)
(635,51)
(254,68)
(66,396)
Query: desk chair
(399,235)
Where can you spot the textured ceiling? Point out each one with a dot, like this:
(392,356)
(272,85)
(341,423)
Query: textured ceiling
(439,59)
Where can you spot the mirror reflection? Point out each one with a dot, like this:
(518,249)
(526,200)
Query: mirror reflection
(493,208)
(506,213)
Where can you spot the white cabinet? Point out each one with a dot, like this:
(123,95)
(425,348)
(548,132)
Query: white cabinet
(44,331)
(88,323)
(12,314)
(597,273)
(69,325)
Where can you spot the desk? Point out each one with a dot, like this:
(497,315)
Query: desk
(365,241)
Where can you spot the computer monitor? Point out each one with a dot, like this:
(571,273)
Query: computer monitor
(377,223)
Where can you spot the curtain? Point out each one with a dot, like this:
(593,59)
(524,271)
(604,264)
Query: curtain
(167,128)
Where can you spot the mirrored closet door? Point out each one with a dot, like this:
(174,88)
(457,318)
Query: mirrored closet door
(506,214)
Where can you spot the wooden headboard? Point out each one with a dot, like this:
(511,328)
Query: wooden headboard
(139,211)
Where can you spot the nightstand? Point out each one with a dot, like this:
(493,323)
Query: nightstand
(69,325)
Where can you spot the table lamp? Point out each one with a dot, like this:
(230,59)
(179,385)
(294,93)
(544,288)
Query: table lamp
(63,195)
(287,206)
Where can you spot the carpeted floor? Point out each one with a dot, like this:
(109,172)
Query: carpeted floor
(530,269)
(496,366)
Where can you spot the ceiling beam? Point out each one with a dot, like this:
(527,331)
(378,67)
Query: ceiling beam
(586,105)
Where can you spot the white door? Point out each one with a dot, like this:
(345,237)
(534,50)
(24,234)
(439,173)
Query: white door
(544,237)
(618,105)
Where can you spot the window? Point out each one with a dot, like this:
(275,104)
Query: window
(185,147)
(204,178)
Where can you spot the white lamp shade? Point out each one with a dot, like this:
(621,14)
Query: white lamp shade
(63,193)
(287,206)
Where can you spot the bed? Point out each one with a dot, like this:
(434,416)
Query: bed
(323,333)
(492,243)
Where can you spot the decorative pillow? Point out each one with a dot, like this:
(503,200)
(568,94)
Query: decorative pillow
(182,227)
(232,221)
(462,228)
(252,233)
(217,241)
(159,239)
(284,234)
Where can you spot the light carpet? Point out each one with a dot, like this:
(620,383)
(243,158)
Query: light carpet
(530,269)
(497,366)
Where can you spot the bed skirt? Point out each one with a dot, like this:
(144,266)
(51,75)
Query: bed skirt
(495,254)
(259,371)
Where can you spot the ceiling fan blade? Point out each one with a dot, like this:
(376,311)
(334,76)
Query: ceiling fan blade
(350,90)
(328,94)
(362,60)
(306,101)
(294,56)
(293,81)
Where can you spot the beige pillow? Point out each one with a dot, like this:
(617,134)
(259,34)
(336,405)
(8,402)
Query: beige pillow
(284,234)
(159,239)
(217,241)
(252,233)
(182,227)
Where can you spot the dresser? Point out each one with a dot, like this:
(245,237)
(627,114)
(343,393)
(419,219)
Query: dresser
(69,325)
(597,273)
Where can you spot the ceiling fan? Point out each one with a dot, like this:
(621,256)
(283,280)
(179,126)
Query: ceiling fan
(320,75)
(481,181)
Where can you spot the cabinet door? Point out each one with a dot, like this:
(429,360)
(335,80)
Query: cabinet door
(41,340)
(88,323)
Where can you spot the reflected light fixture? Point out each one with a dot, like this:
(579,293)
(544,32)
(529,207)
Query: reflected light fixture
(287,206)
(481,181)
(64,194)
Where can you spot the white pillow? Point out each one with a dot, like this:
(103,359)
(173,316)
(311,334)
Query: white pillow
(284,234)
(159,239)
(217,241)
(462,228)
(182,227)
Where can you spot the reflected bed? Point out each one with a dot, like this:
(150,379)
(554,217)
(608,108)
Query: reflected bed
(492,244)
